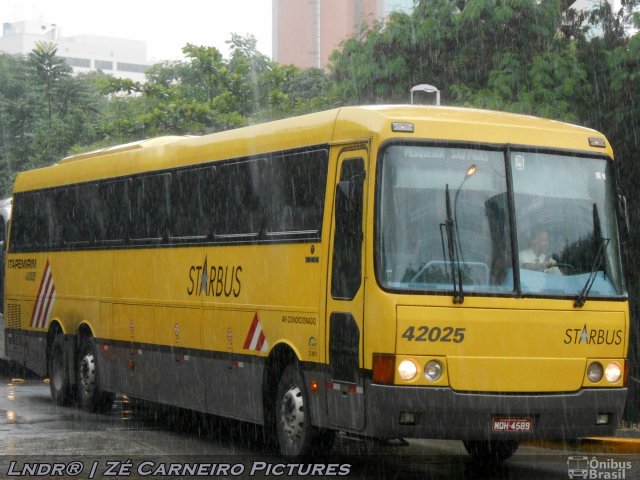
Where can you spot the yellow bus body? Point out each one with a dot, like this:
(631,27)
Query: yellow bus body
(167,333)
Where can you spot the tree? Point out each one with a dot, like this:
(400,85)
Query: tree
(49,70)
(482,55)
(17,111)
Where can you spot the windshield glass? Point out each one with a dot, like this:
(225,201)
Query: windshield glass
(420,240)
(565,215)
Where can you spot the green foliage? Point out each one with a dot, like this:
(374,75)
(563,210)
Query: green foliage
(44,111)
(47,114)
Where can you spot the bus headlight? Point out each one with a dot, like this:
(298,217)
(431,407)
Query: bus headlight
(433,371)
(613,372)
(594,372)
(407,370)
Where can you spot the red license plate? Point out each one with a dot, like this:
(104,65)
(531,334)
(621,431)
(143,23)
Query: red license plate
(510,424)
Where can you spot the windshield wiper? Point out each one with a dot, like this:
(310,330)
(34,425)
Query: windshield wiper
(456,274)
(582,296)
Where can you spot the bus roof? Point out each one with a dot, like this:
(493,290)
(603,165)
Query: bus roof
(331,126)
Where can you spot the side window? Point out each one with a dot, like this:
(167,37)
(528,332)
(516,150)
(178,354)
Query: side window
(83,223)
(273,197)
(191,198)
(148,204)
(111,224)
(22,236)
(297,186)
(347,247)
(52,217)
(238,212)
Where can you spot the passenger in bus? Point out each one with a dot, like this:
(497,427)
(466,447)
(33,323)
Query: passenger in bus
(536,257)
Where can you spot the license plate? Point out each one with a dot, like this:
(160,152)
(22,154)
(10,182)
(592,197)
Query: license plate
(510,424)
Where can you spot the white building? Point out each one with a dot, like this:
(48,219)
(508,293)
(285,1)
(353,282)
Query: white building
(589,5)
(84,53)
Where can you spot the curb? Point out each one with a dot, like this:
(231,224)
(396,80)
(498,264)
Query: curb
(593,444)
(612,444)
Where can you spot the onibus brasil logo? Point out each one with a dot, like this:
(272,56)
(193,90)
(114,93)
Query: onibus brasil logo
(594,468)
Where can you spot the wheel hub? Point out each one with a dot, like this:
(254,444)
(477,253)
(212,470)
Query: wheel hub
(292,415)
(87,374)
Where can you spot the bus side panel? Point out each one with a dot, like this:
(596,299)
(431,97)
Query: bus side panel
(234,374)
(131,362)
(246,316)
(178,357)
(33,352)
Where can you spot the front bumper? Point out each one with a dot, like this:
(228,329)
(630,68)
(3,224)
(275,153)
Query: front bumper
(446,414)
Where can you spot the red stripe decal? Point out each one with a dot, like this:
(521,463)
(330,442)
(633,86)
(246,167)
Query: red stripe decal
(254,325)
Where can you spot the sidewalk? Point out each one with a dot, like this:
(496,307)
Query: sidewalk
(626,440)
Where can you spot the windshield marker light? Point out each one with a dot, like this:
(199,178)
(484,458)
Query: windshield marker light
(406,127)
(597,142)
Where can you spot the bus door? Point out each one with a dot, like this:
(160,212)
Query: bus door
(345,299)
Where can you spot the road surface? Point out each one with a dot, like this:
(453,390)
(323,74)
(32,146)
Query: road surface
(46,441)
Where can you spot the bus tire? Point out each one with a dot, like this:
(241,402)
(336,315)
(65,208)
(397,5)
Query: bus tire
(92,398)
(59,382)
(292,416)
(490,452)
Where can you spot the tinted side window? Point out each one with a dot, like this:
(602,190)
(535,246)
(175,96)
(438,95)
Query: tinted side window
(111,224)
(276,197)
(238,212)
(347,249)
(296,189)
(23,235)
(148,207)
(190,217)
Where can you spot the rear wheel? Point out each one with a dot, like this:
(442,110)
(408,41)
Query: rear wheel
(92,397)
(491,452)
(59,382)
(296,436)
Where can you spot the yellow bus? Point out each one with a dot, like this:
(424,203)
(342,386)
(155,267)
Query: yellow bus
(385,271)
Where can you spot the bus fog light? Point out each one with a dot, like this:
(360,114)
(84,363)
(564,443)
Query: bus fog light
(433,371)
(407,370)
(407,418)
(613,372)
(594,372)
(602,419)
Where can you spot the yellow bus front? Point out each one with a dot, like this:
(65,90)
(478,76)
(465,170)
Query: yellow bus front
(496,310)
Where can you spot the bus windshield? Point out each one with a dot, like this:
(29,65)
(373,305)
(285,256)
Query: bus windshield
(444,222)
(565,213)
(443,210)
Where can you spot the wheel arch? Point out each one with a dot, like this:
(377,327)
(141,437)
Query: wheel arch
(84,331)
(281,355)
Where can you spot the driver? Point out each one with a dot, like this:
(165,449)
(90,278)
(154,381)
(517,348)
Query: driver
(536,258)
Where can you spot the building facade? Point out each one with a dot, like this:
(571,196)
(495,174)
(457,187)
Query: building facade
(121,58)
(305,32)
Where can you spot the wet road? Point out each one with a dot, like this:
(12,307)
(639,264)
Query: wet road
(40,438)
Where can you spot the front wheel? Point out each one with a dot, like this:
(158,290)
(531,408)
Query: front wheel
(491,452)
(91,396)
(296,436)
